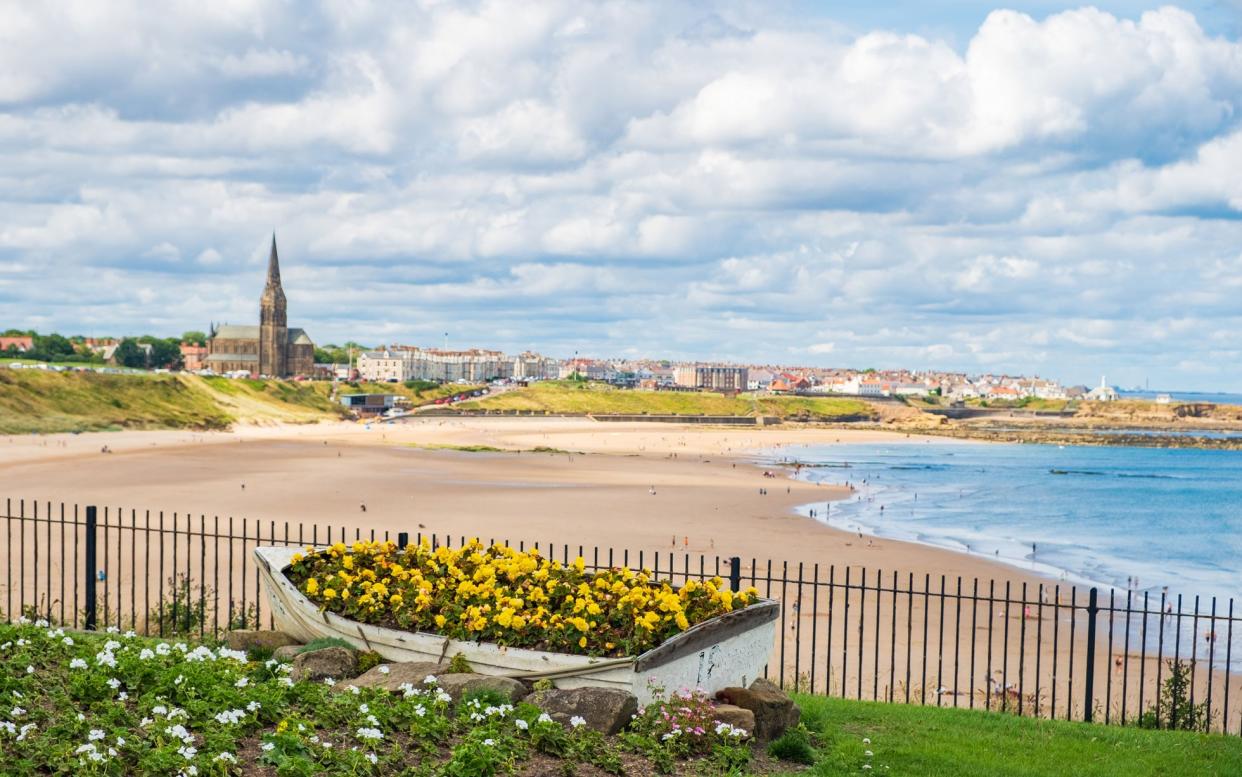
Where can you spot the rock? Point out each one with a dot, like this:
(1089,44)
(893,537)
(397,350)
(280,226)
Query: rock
(286,652)
(607,710)
(735,716)
(458,685)
(774,711)
(335,662)
(412,672)
(251,639)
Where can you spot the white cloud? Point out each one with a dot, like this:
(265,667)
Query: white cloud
(604,177)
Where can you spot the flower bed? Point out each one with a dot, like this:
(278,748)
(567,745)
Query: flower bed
(502,595)
(120,704)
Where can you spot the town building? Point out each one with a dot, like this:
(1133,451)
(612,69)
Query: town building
(193,357)
(715,378)
(1102,393)
(270,349)
(19,344)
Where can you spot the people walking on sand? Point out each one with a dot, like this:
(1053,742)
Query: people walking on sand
(651,490)
(363,506)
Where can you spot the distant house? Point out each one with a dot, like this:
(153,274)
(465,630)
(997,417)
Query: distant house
(20,344)
(193,357)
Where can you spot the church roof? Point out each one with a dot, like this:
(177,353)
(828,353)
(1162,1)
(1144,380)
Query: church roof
(228,332)
(294,336)
(234,357)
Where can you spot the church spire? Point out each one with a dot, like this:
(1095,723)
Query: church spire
(273,265)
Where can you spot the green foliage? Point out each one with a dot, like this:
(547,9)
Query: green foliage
(326,642)
(459,665)
(1174,708)
(794,746)
(369,659)
(544,684)
(128,354)
(419,386)
(183,608)
(194,337)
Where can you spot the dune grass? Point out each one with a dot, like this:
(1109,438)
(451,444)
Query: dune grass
(934,742)
(599,398)
(34,401)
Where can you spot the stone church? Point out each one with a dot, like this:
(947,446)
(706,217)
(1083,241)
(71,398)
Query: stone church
(270,349)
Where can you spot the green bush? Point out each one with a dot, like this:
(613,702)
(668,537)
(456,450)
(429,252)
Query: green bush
(794,746)
(326,642)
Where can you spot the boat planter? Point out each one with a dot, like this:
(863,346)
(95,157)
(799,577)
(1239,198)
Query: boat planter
(728,650)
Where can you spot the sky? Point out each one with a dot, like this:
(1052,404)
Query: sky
(1040,187)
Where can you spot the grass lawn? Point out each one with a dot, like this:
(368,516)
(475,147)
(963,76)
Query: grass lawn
(556,396)
(931,742)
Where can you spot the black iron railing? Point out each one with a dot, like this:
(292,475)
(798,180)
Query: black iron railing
(1044,650)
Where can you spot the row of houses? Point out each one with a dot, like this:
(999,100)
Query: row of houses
(400,363)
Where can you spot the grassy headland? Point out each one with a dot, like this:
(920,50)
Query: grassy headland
(601,399)
(34,401)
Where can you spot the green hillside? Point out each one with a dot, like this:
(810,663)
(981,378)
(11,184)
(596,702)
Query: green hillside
(598,398)
(38,401)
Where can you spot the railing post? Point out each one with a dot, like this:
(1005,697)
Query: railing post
(735,574)
(403,539)
(91,571)
(1092,609)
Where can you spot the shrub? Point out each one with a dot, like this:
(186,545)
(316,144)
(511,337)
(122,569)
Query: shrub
(1174,708)
(794,746)
(326,642)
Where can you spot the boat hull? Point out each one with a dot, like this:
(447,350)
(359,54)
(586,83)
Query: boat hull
(729,650)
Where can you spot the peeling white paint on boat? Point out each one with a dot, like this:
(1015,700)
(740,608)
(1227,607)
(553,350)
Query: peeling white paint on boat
(729,650)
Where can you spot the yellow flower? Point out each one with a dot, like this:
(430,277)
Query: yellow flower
(582,642)
(440,621)
(312,586)
(682,623)
(329,593)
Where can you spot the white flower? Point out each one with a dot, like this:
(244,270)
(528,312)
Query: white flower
(866,740)
(577,720)
(267,747)
(163,649)
(363,708)
(81,717)
(287,682)
(113,630)
(242,683)
(146,654)
(25,730)
(866,766)
(159,709)
(355,690)
(114,683)
(68,641)
(429,679)
(180,679)
(30,670)
(123,696)
(226,757)
(328,681)
(130,634)
(420,710)
(371,719)
(383,669)
(41,623)
(236,655)
(326,745)
(7,726)
(96,735)
(443,696)
(868,753)
(229,717)
(254,706)
(187,752)
(16,712)
(523,725)
(373,758)
(544,718)
(489,743)
(369,734)
(145,722)
(120,741)
(111,645)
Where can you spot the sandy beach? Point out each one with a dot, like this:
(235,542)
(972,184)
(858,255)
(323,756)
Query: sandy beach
(656,488)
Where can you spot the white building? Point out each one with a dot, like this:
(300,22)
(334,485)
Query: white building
(1103,393)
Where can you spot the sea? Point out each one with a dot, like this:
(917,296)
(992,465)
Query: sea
(1120,517)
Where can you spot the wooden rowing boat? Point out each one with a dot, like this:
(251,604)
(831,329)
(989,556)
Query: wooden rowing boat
(729,650)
